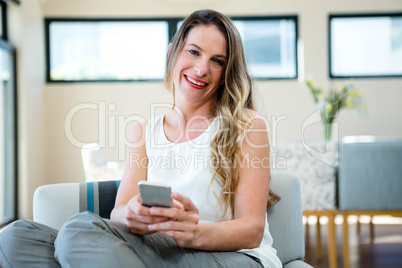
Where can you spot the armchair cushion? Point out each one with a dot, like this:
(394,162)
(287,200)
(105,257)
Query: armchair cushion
(285,218)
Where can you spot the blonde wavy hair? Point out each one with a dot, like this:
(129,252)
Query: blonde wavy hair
(234,97)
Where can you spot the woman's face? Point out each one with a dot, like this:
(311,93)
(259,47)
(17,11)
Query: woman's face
(200,66)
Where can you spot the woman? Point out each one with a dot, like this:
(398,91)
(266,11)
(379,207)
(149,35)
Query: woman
(220,198)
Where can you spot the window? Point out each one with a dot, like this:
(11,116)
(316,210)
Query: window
(8,128)
(270,46)
(106,50)
(83,50)
(365,45)
(3,20)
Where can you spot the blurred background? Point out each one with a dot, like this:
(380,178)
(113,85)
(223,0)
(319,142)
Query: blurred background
(87,70)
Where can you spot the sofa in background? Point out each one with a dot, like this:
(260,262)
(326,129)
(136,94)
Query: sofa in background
(370,180)
(54,204)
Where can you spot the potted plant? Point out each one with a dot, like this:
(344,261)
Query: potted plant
(330,103)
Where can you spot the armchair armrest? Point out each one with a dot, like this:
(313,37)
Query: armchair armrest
(54,204)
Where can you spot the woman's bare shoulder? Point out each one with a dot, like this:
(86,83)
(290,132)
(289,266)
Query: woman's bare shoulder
(257,119)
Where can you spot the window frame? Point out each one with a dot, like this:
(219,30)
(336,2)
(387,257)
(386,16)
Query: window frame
(172,22)
(295,18)
(355,15)
(17,2)
(172,28)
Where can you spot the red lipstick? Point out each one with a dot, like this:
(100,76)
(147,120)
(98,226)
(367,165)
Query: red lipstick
(195,83)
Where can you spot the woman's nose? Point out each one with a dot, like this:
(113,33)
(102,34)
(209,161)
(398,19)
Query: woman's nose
(201,67)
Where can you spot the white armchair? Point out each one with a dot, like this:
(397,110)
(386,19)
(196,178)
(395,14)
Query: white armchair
(54,204)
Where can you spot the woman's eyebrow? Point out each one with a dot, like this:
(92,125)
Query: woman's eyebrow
(199,48)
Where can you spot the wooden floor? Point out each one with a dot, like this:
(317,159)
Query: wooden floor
(384,252)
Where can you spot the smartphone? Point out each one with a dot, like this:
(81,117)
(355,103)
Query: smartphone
(155,194)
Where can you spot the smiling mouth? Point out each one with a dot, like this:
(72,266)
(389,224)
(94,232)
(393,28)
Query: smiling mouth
(195,82)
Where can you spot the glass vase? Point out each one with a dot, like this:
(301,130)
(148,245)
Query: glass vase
(327,130)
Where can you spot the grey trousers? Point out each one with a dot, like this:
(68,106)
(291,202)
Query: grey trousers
(86,240)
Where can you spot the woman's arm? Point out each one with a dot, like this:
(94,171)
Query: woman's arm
(128,208)
(247,227)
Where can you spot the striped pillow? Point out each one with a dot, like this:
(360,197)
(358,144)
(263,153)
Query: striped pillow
(98,197)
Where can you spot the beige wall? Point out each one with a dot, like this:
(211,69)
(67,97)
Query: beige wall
(26,35)
(48,156)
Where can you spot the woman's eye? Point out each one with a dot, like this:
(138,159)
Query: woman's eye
(193,52)
(219,62)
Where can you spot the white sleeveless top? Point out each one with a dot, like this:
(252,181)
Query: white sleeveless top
(186,168)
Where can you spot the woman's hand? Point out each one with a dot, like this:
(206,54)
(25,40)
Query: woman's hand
(138,217)
(183,222)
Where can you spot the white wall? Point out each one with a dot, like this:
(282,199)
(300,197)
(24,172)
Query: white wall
(51,156)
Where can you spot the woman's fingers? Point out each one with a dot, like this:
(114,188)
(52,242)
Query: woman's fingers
(139,228)
(177,204)
(184,220)
(138,217)
(180,221)
(181,226)
(185,201)
(175,214)
(183,232)
(182,210)
(142,214)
